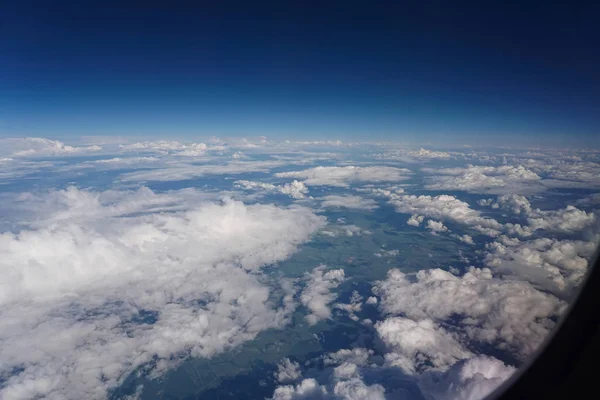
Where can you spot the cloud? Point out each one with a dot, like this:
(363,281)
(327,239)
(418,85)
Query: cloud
(518,175)
(96,285)
(244,143)
(591,199)
(514,202)
(510,314)
(415,220)
(307,389)
(42,147)
(372,300)
(386,253)
(322,142)
(576,174)
(417,345)
(167,147)
(294,189)
(353,307)
(348,201)
(238,155)
(430,154)
(107,164)
(486,202)
(485,179)
(436,362)
(89,299)
(194,150)
(566,220)
(122,161)
(344,176)
(444,207)
(421,155)
(17,168)
(472,379)
(555,264)
(288,371)
(316,295)
(180,172)
(465,238)
(357,356)
(436,226)
(356,389)
(551,263)
(345,230)
(83,206)
(342,380)
(434,319)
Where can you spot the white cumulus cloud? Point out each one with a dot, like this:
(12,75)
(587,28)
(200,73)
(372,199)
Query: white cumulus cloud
(443,207)
(510,314)
(436,226)
(472,379)
(551,263)
(288,371)
(567,220)
(317,295)
(353,307)
(415,220)
(342,380)
(514,202)
(414,345)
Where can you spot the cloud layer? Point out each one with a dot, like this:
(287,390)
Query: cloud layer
(89,298)
(484,179)
(344,176)
(97,284)
(42,147)
(294,189)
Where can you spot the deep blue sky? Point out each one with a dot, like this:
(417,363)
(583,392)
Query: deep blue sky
(357,70)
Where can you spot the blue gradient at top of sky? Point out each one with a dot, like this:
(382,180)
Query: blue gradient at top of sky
(288,70)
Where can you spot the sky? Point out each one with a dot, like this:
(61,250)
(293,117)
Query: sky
(384,70)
